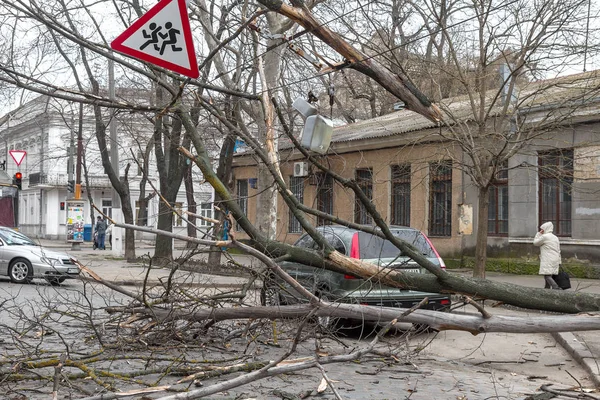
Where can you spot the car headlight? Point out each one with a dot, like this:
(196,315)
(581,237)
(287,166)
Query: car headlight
(51,261)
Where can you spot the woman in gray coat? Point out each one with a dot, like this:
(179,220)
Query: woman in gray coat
(549,253)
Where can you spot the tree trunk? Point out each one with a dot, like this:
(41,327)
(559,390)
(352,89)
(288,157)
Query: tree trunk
(128,218)
(266,204)
(397,84)
(482,233)
(191,205)
(224,175)
(473,323)
(163,249)
(170,165)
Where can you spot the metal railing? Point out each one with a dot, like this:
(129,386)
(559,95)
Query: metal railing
(38,178)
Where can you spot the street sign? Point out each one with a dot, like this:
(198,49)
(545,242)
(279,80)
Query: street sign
(18,156)
(162,37)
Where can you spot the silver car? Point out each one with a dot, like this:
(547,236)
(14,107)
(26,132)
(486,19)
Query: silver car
(21,259)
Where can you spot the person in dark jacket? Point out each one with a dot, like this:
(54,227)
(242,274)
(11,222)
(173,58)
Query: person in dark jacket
(101,231)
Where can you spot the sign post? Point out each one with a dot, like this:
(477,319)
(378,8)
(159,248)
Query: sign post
(18,156)
(162,37)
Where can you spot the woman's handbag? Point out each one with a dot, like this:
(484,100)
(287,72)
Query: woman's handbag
(562,279)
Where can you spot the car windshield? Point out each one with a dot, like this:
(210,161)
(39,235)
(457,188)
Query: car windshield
(375,247)
(15,238)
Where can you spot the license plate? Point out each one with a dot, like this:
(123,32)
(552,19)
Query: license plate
(413,270)
(73,270)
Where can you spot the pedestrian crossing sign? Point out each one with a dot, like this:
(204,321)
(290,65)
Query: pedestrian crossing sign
(162,36)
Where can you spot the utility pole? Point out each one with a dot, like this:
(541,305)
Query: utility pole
(71,189)
(117,234)
(79,154)
(114,149)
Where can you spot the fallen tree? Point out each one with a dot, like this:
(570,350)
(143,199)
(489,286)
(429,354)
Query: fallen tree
(443,282)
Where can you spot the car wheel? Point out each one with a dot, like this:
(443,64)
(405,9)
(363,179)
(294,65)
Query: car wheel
(55,281)
(20,271)
(269,294)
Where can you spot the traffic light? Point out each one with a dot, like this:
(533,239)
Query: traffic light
(62,206)
(17,180)
(71,186)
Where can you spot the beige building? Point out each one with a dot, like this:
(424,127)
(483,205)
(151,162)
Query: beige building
(414,176)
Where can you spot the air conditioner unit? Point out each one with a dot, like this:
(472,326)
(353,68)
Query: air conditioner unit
(300,169)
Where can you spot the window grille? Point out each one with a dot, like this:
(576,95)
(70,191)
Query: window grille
(297,189)
(556,181)
(400,201)
(324,196)
(364,179)
(242,197)
(440,202)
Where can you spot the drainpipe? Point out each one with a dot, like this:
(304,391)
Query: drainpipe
(463,200)
(41,219)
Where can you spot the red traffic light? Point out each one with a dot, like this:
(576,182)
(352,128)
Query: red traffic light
(17,180)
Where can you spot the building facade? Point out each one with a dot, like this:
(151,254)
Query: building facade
(416,176)
(46,129)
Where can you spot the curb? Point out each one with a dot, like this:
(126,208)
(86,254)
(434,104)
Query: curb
(580,352)
(153,282)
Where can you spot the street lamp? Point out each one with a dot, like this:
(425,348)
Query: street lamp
(316,135)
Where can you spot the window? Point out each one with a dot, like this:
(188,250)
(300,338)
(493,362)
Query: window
(107,208)
(297,188)
(556,179)
(498,204)
(440,201)
(324,197)
(400,195)
(177,210)
(206,211)
(242,197)
(364,180)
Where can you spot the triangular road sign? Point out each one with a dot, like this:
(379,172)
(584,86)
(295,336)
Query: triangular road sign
(163,37)
(18,156)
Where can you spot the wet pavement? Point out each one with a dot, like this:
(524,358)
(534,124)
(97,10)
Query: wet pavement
(446,365)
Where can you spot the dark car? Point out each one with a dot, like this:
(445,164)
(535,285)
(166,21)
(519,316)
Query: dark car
(350,289)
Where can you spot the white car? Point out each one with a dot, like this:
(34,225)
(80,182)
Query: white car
(21,259)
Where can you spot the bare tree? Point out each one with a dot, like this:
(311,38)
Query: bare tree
(513,43)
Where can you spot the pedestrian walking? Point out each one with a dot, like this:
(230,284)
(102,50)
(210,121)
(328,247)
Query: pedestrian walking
(101,231)
(549,253)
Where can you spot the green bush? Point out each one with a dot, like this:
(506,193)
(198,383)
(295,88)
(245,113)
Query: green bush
(517,266)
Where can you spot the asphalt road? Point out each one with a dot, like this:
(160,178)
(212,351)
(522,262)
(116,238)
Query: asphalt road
(447,365)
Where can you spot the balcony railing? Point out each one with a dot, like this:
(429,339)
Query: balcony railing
(37,179)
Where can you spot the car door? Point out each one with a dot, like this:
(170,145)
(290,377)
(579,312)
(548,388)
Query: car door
(3,259)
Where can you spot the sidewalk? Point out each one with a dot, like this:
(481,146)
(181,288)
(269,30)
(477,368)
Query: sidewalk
(584,347)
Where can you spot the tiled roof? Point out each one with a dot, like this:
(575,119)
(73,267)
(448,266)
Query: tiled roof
(562,91)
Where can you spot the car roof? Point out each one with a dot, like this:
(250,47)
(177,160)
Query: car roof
(342,227)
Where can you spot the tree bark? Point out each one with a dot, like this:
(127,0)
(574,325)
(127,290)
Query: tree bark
(191,204)
(397,84)
(170,165)
(469,322)
(482,229)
